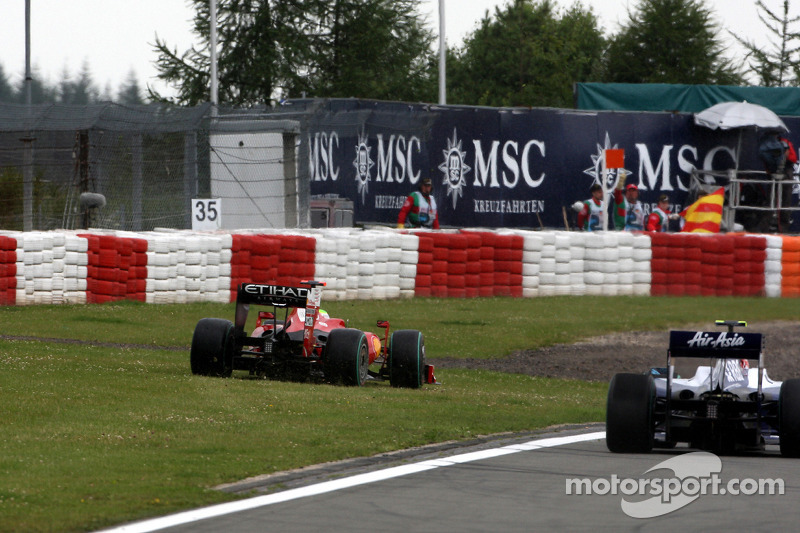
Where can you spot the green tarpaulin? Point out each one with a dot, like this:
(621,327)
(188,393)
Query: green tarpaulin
(681,98)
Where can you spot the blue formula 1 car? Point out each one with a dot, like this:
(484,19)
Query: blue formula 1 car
(726,407)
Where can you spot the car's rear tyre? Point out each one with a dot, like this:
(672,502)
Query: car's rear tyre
(629,413)
(407,359)
(789,417)
(346,357)
(212,348)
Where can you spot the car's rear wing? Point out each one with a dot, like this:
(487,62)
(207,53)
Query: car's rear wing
(732,347)
(715,344)
(307,297)
(726,345)
(263,294)
(276,295)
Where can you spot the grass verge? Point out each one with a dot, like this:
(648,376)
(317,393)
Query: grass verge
(101,436)
(473,328)
(97,435)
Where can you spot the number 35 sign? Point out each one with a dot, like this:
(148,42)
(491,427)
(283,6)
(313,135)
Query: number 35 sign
(206,214)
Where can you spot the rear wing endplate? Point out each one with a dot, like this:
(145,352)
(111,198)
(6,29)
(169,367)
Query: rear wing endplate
(715,344)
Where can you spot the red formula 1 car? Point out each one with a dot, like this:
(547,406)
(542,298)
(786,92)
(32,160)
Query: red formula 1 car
(305,343)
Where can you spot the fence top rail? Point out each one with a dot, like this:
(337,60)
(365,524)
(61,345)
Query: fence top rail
(156,117)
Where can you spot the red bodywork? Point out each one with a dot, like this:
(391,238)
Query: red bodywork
(299,335)
(296,322)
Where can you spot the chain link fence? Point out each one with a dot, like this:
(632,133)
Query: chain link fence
(59,163)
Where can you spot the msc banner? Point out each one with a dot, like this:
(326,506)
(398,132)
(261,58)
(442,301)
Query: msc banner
(509,167)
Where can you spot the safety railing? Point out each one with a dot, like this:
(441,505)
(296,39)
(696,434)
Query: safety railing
(764,196)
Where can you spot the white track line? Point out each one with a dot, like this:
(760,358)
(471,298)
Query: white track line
(213,511)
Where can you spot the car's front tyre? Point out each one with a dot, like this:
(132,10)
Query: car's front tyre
(212,348)
(346,357)
(629,413)
(789,417)
(407,359)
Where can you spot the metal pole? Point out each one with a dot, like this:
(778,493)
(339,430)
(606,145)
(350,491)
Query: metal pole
(213,53)
(606,192)
(442,57)
(83,173)
(136,181)
(27,173)
(291,186)
(303,175)
(191,186)
(28,52)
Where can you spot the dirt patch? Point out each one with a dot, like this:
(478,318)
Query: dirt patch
(599,358)
(595,359)
(120,345)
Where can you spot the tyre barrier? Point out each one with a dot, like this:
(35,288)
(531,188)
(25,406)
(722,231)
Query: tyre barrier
(8,270)
(696,265)
(183,268)
(116,267)
(180,267)
(469,264)
(279,259)
(790,267)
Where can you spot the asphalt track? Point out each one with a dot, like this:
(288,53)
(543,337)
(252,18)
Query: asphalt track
(513,483)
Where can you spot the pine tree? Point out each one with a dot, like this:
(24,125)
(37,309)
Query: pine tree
(6,92)
(527,54)
(333,48)
(130,93)
(779,66)
(669,41)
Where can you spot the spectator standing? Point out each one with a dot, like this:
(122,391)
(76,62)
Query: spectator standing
(787,170)
(590,215)
(628,210)
(659,219)
(419,209)
(779,157)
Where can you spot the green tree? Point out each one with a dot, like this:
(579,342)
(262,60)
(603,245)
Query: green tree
(374,49)
(333,48)
(107,94)
(779,66)
(77,91)
(129,92)
(41,92)
(81,91)
(65,86)
(669,41)
(528,54)
(6,92)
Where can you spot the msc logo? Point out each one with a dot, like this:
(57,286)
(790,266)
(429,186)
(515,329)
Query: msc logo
(612,176)
(454,168)
(363,163)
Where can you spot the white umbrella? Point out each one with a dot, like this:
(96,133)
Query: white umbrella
(732,115)
(738,115)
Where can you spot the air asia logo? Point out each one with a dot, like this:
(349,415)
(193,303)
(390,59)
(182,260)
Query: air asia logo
(613,175)
(363,163)
(721,340)
(454,168)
